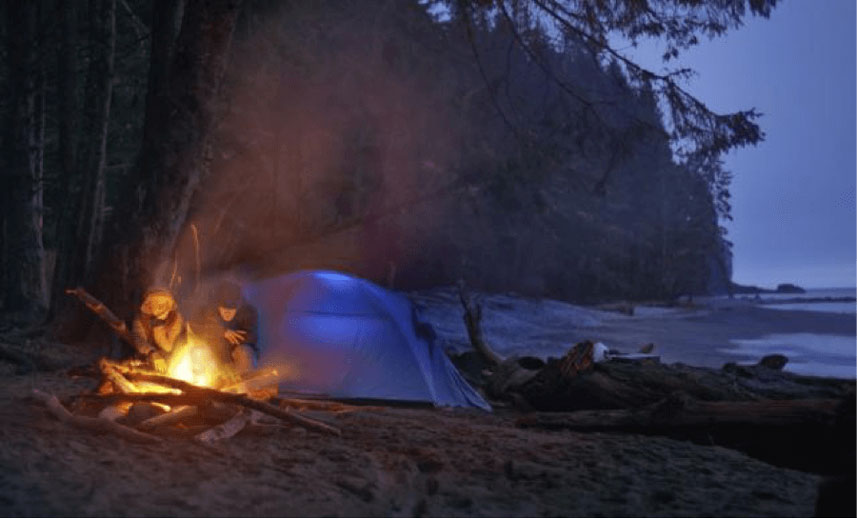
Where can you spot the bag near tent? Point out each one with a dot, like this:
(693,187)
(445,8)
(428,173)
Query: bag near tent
(346,337)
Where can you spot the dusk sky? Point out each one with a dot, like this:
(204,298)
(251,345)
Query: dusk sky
(793,195)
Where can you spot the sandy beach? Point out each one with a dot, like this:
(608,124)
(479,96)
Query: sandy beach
(395,462)
(415,462)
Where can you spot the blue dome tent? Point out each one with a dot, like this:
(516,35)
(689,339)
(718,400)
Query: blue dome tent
(349,338)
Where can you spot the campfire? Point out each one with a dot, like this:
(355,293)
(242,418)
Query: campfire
(194,395)
(194,363)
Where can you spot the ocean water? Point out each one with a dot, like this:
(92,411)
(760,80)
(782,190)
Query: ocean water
(799,301)
(826,307)
(813,293)
(808,353)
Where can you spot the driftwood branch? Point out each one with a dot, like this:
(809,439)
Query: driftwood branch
(473,322)
(103,424)
(106,315)
(175,415)
(232,398)
(227,429)
(323,405)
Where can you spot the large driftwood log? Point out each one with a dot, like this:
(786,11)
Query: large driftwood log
(682,411)
(232,398)
(102,424)
(815,435)
(619,385)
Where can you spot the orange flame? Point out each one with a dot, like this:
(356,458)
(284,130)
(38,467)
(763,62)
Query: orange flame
(195,363)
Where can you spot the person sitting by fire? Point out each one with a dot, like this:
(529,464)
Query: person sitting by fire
(239,322)
(157,326)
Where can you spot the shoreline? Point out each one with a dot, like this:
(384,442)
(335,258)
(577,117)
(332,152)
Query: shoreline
(708,334)
(712,336)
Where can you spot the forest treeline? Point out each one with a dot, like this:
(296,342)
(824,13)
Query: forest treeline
(413,143)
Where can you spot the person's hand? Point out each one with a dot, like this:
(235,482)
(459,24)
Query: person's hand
(235,336)
(158,362)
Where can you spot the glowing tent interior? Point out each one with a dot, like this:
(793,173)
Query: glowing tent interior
(346,337)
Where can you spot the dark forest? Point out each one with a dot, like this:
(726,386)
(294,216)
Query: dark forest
(411,143)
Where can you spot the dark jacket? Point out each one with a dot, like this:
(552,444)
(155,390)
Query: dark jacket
(246,320)
(211,328)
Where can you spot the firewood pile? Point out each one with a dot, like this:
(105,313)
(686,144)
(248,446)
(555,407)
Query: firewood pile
(192,396)
(142,405)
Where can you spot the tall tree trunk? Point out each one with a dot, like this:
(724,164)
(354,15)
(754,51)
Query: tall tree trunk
(96,117)
(166,22)
(67,113)
(38,139)
(173,159)
(24,252)
(83,235)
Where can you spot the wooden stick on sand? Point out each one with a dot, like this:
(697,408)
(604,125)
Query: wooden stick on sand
(232,398)
(104,423)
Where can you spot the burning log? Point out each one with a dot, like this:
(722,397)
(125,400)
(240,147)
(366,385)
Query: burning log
(170,399)
(207,413)
(232,398)
(114,377)
(103,423)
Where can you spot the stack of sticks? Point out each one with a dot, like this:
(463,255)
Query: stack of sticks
(147,407)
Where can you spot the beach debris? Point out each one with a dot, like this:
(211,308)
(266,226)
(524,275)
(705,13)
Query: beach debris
(600,352)
(580,358)
(100,423)
(631,380)
(473,322)
(775,361)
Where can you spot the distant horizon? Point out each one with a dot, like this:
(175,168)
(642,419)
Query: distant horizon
(805,287)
